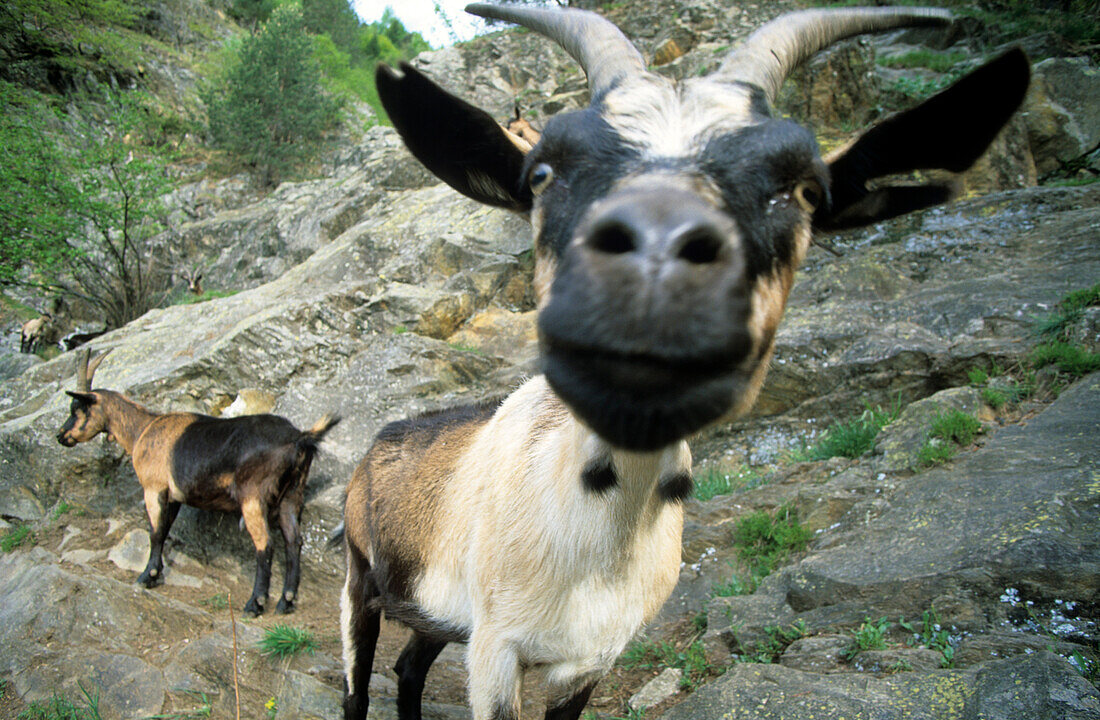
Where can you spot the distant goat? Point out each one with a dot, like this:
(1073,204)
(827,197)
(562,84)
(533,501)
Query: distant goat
(193,277)
(256,464)
(669,219)
(74,340)
(519,127)
(35,333)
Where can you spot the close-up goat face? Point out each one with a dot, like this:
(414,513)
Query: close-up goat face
(670,218)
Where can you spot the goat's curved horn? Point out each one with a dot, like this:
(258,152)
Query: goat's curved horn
(85,370)
(774,50)
(604,53)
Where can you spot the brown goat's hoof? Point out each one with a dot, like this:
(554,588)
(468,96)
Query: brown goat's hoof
(285,607)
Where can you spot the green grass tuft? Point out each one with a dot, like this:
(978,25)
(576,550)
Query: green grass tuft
(1073,360)
(284,641)
(16,536)
(994,398)
(850,439)
(190,299)
(764,541)
(955,426)
(717,481)
(60,708)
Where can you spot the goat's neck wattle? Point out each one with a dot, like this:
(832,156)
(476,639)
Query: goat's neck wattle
(126,420)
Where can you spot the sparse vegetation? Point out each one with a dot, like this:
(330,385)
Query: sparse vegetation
(16,536)
(649,654)
(764,541)
(949,430)
(777,639)
(1073,360)
(718,481)
(737,585)
(60,708)
(850,439)
(869,636)
(932,636)
(286,641)
(1069,310)
(190,299)
(216,602)
(994,398)
(62,508)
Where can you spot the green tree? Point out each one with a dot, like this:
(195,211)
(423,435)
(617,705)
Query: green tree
(87,219)
(269,108)
(251,12)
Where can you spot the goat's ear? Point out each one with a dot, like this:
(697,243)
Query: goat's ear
(949,131)
(84,397)
(461,144)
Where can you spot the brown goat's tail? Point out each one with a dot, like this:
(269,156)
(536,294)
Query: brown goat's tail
(312,437)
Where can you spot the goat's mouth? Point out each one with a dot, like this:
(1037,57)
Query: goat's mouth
(642,402)
(66,440)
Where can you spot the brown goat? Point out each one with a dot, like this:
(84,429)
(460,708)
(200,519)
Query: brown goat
(669,220)
(194,280)
(256,464)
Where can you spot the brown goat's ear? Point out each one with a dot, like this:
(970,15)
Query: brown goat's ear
(949,131)
(462,145)
(84,397)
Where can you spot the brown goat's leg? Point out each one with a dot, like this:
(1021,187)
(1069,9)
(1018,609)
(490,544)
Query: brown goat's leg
(290,515)
(162,513)
(412,668)
(254,514)
(569,706)
(359,622)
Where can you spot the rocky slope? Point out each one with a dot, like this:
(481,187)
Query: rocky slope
(375,292)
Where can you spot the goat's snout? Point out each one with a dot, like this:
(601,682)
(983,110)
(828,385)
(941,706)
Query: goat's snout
(658,228)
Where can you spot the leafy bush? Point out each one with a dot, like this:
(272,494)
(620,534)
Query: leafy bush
(869,636)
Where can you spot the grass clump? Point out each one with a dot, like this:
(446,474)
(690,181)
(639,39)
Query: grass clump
(869,636)
(850,439)
(286,641)
(1073,360)
(190,299)
(994,398)
(650,654)
(949,430)
(737,585)
(61,708)
(216,602)
(934,61)
(16,536)
(777,638)
(204,709)
(716,481)
(764,541)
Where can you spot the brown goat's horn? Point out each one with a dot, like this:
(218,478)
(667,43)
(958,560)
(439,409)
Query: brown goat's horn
(604,53)
(772,52)
(85,370)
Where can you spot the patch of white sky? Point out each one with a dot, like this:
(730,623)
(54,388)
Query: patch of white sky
(440,22)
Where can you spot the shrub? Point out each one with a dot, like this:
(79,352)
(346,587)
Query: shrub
(850,439)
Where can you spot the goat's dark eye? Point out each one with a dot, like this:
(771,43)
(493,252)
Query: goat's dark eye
(541,177)
(808,195)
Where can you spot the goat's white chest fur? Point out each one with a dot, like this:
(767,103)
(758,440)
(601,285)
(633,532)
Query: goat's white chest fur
(555,573)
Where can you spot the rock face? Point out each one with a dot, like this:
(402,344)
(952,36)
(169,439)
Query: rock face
(376,293)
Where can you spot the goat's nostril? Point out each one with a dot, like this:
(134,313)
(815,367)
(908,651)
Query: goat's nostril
(699,246)
(612,238)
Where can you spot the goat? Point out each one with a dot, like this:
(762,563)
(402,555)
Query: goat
(75,339)
(520,127)
(256,465)
(668,222)
(35,333)
(194,280)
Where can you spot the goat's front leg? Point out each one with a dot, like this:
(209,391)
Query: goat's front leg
(290,515)
(495,677)
(162,512)
(254,514)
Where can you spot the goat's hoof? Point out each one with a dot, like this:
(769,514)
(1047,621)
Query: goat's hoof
(253,608)
(149,579)
(285,607)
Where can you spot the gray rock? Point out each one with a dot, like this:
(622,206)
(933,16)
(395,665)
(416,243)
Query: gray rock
(1063,111)
(1036,686)
(900,442)
(818,654)
(657,690)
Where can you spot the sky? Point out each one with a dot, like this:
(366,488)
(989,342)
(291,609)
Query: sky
(420,15)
